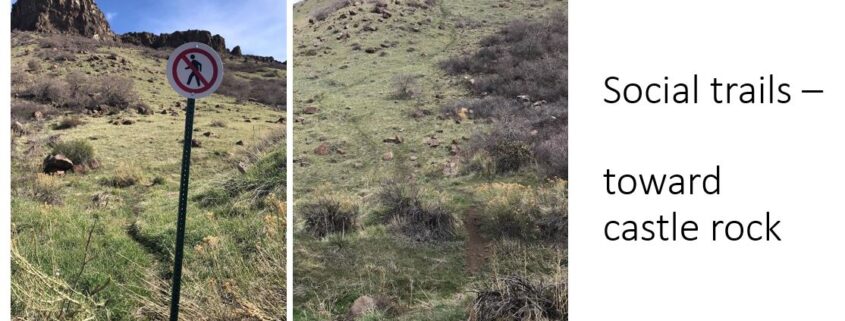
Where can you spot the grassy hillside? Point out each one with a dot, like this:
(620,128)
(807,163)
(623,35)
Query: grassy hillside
(97,243)
(405,208)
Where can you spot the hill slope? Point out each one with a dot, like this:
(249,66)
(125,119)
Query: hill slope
(97,242)
(398,215)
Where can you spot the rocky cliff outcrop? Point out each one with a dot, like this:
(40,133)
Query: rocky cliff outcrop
(173,40)
(79,17)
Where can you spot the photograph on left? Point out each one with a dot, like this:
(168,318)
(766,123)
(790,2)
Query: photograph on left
(148,160)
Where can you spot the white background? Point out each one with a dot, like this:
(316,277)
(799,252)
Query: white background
(787,159)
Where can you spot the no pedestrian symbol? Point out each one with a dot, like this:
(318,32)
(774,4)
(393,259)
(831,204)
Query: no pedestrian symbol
(194,70)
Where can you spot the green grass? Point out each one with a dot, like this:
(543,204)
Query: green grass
(133,235)
(354,92)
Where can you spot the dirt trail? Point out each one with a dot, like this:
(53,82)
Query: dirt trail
(476,245)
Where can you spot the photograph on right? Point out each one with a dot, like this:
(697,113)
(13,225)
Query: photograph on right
(430,160)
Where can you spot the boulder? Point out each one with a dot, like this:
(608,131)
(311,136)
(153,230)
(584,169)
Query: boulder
(57,163)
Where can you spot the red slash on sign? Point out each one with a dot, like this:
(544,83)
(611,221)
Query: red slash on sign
(204,64)
(197,73)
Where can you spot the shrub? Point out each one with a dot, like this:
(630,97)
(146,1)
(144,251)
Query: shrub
(405,86)
(508,144)
(124,176)
(116,91)
(322,13)
(552,155)
(267,91)
(520,212)
(413,218)
(47,189)
(68,122)
(25,110)
(49,90)
(526,60)
(33,65)
(78,151)
(518,298)
(330,214)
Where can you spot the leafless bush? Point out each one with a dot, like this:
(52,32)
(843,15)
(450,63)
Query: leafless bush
(521,75)
(422,4)
(49,90)
(524,58)
(322,13)
(405,86)
(267,91)
(518,298)
(33,65)
(25,110)
(116,91)
(552,155)
(508,143)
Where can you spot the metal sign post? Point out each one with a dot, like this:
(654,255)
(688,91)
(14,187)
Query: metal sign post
(183,208)
(194,70)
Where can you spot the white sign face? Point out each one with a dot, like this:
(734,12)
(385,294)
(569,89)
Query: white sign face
(194,70)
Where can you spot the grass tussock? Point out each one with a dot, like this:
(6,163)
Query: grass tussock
(68,123)
(27,110)
(407,210)
(329,215)
(522,212)
(47,189)
(265,176)
(78,151)
(125,175)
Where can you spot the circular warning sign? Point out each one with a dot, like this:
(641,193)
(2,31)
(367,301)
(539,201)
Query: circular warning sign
(194,70)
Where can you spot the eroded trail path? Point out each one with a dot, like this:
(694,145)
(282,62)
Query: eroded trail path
(476,245)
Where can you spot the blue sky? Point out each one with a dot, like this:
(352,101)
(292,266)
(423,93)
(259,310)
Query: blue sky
(258,26)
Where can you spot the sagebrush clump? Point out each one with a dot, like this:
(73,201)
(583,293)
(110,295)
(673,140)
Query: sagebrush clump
(78,151)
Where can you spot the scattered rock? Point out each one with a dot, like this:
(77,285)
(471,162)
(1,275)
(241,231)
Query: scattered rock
(207,134)
(388,156)
(451,167)
(196,143)
(38,116)
(394,140)
(127,122)
(310,110)
(432,142)
(239,143)
(322,150)
(242,167)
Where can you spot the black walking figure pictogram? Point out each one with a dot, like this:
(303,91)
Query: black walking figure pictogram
(197,68)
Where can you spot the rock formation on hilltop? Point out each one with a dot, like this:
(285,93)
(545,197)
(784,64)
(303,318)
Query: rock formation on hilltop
(173,40)
(79,17)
